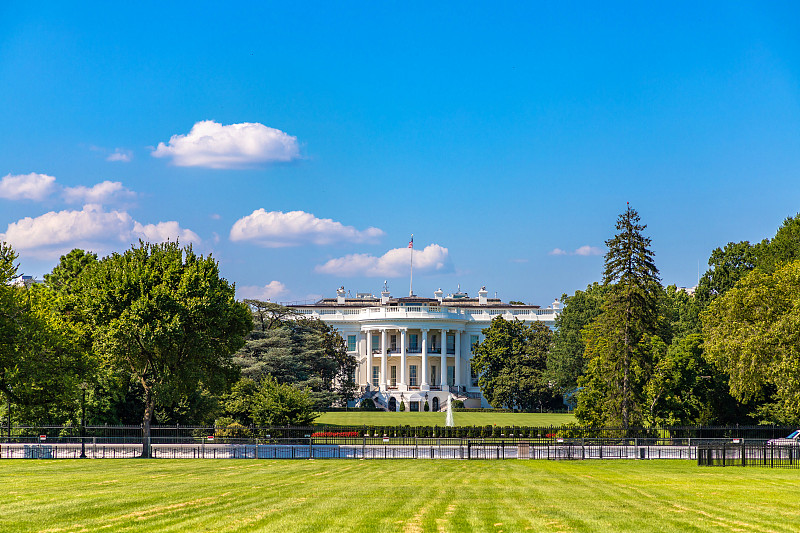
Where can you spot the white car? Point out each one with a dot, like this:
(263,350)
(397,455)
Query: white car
(794,438)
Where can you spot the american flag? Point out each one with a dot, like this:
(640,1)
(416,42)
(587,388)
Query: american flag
(411,242)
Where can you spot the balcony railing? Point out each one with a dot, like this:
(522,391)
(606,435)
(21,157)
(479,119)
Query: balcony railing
(422,312)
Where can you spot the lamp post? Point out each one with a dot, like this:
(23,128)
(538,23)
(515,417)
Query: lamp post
(83,386)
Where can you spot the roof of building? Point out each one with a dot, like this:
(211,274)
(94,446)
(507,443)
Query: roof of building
(450,301)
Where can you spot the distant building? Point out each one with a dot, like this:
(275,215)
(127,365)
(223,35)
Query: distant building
(414,349)
(25,281)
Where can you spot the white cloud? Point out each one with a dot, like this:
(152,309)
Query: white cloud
(212,145)
(520,260)
(275,229)
(588,250)
(55,233)
(97,194)
(270,291)
(583,250)
(31,186)
(121,155)
(394,263)
(215,216)
(164,231)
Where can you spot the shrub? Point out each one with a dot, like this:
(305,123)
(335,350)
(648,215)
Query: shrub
(426,408)
(402,406)
(367,404)
(457,404)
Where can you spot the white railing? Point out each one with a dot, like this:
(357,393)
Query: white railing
(394,313)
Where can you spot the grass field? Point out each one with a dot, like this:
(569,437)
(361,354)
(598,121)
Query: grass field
(383,418)
(397,496)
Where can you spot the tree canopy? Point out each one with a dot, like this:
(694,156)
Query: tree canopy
(164,316)
(511,362)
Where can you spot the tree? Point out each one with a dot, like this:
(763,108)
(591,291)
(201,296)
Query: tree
(728,265)
(281,404)
(565,361)
(752,333)
(69,268)
(294,349)
(164,316)
(511,362)
(619,342)
(40,352)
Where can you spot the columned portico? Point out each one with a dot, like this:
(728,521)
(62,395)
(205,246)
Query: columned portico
(384,358)
(457,358)
(369,358)
(403,386)
(424,385)
(443,360)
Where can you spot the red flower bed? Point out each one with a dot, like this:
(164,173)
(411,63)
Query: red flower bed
(335,434)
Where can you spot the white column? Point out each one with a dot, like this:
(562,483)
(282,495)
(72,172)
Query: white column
(403,382)
(457,359)
(443,361)
(369,358)
(424,385)
(384,357)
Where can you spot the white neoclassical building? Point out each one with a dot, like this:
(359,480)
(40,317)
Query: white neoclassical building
(415,349)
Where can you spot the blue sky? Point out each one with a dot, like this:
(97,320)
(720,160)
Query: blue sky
(302,146)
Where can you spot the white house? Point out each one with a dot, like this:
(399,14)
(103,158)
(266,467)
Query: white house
(414,349)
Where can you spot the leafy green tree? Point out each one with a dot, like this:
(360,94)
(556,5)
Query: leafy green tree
(752,333)
(69,268)
(40,353)
(619,343)
(565,361)
(728,266)
(782,248)
(164,316)
(511,362)
(282,404)
(297,350)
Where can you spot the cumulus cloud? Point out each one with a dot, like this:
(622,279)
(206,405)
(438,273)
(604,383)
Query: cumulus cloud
(394,263)
(164,231)
(583,250)
(97,194)
(120,155)
(270,291)
(212,145)
(31,186)
(276,229)
(55,233)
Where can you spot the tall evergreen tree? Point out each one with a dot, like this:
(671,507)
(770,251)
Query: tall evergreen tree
(618,344)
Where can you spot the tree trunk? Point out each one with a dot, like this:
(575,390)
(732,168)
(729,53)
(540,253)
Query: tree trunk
(149,407)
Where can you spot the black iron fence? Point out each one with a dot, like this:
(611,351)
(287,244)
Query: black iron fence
(569,434)
(467,449)
(749,454)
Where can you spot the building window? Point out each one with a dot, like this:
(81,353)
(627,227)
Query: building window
(451,344)
(376,344)
(433,343)
(473,341)
(393,343)
(393,376)
(451,375)
(433,375)
(351,343)
(412,375)
(376,376)
(473,376)
(414,407)
(413,342)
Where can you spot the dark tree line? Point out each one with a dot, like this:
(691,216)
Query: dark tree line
(155,335)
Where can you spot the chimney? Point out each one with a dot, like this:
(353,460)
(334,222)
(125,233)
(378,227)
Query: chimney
(340,295)
(483,296)
(439,295)
(385,295)
(556,304)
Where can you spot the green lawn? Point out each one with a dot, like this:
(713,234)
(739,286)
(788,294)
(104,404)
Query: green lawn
(383,418)
(397,496)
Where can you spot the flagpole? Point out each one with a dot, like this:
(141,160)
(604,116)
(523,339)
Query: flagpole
(411,283)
